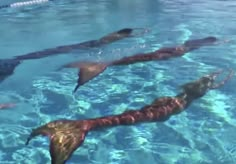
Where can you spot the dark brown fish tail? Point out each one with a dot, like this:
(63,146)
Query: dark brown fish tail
(87,71)
(159,110)
(121,34)
(133,31)
(125,31)
(7,67)
(197,43)
(65,137)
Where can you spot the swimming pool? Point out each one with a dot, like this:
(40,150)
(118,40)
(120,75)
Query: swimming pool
(204,133)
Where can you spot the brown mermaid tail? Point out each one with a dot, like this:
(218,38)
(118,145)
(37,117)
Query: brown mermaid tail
(65,137)
(121,34)
(107,39)
(197,43)
(7,67)
(87,71)
(117,35)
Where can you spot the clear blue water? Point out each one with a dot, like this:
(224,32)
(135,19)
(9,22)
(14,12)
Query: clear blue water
(204,133)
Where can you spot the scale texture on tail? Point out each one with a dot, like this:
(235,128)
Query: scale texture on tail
(65,136)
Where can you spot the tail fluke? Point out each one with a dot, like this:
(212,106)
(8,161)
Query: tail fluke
(7,67)
(65,137)
(87,71)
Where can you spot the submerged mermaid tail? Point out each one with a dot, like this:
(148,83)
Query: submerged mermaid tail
(7,67)
(87,71)
(197,43)
(107,39)
(65,137)
(121,34)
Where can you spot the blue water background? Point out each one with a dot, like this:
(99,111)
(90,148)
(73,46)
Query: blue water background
(204,133)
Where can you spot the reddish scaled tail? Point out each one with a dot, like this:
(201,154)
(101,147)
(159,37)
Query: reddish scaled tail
(87,71)
(65,137)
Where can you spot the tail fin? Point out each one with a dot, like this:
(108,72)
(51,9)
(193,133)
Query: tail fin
(7,67)
(88,71)
(65,137)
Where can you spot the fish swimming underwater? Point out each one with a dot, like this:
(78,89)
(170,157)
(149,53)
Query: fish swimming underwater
(89,70)
(7,66)
(67,135)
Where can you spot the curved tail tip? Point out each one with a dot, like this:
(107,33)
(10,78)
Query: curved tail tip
(65,137)
(33,133)
(28,140)
(76,88)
